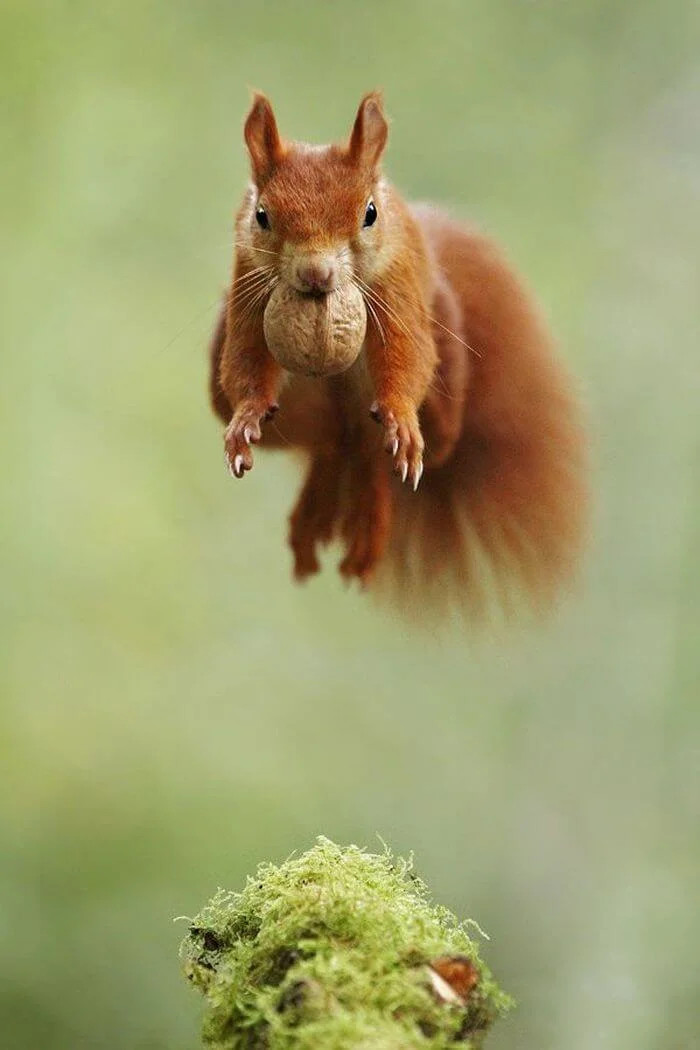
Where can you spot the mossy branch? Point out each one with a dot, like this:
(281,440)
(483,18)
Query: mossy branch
(338,949)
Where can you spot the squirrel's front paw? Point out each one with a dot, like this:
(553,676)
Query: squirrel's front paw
(244,431)
(402,440)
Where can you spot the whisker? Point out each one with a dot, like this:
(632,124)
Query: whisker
(247,307)
(256,299)
(455,336)
(275,426)
(372,312)
(252,248)
(250,298)
(197,317)
(242,293)
(265,268)
(381,303)
(238,293)
(256,271)
(430,317)
(442,391)
(367,302)
(252,287)
(244,301)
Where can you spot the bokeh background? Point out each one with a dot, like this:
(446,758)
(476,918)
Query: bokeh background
(173,709)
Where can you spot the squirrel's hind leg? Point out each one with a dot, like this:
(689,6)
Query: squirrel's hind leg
(366,520)
(313,520)
(338,498)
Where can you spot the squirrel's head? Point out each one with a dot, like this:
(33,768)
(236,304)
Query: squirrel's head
(315,214)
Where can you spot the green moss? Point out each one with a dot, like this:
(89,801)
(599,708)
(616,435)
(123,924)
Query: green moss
(331,951)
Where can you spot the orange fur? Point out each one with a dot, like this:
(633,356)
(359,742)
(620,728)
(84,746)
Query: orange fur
(457,365)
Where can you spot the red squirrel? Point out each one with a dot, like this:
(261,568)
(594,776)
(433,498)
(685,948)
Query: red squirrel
(457,374)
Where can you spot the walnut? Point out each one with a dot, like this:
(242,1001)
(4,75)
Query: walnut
(315,335)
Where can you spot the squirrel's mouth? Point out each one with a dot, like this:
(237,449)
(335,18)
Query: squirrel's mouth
(315,293)
(312,292)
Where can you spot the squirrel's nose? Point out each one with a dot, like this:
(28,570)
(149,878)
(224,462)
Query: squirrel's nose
(316,274)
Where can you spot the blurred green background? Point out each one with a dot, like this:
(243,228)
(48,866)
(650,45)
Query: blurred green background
(173,709)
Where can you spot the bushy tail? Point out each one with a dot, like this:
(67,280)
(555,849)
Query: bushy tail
(502,522)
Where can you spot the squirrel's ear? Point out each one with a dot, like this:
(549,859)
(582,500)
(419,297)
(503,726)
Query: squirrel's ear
(262,139)
(369,132)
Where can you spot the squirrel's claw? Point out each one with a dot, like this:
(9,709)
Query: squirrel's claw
(235,468)
(243,431)
(403,441)
(411,466)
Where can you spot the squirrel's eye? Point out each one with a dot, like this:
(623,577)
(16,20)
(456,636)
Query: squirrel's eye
(262,219)
(370,214)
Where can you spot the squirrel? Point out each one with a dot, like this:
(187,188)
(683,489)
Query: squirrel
(457,374)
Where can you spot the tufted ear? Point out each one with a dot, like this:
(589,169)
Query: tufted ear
(369,133)
(262,138)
